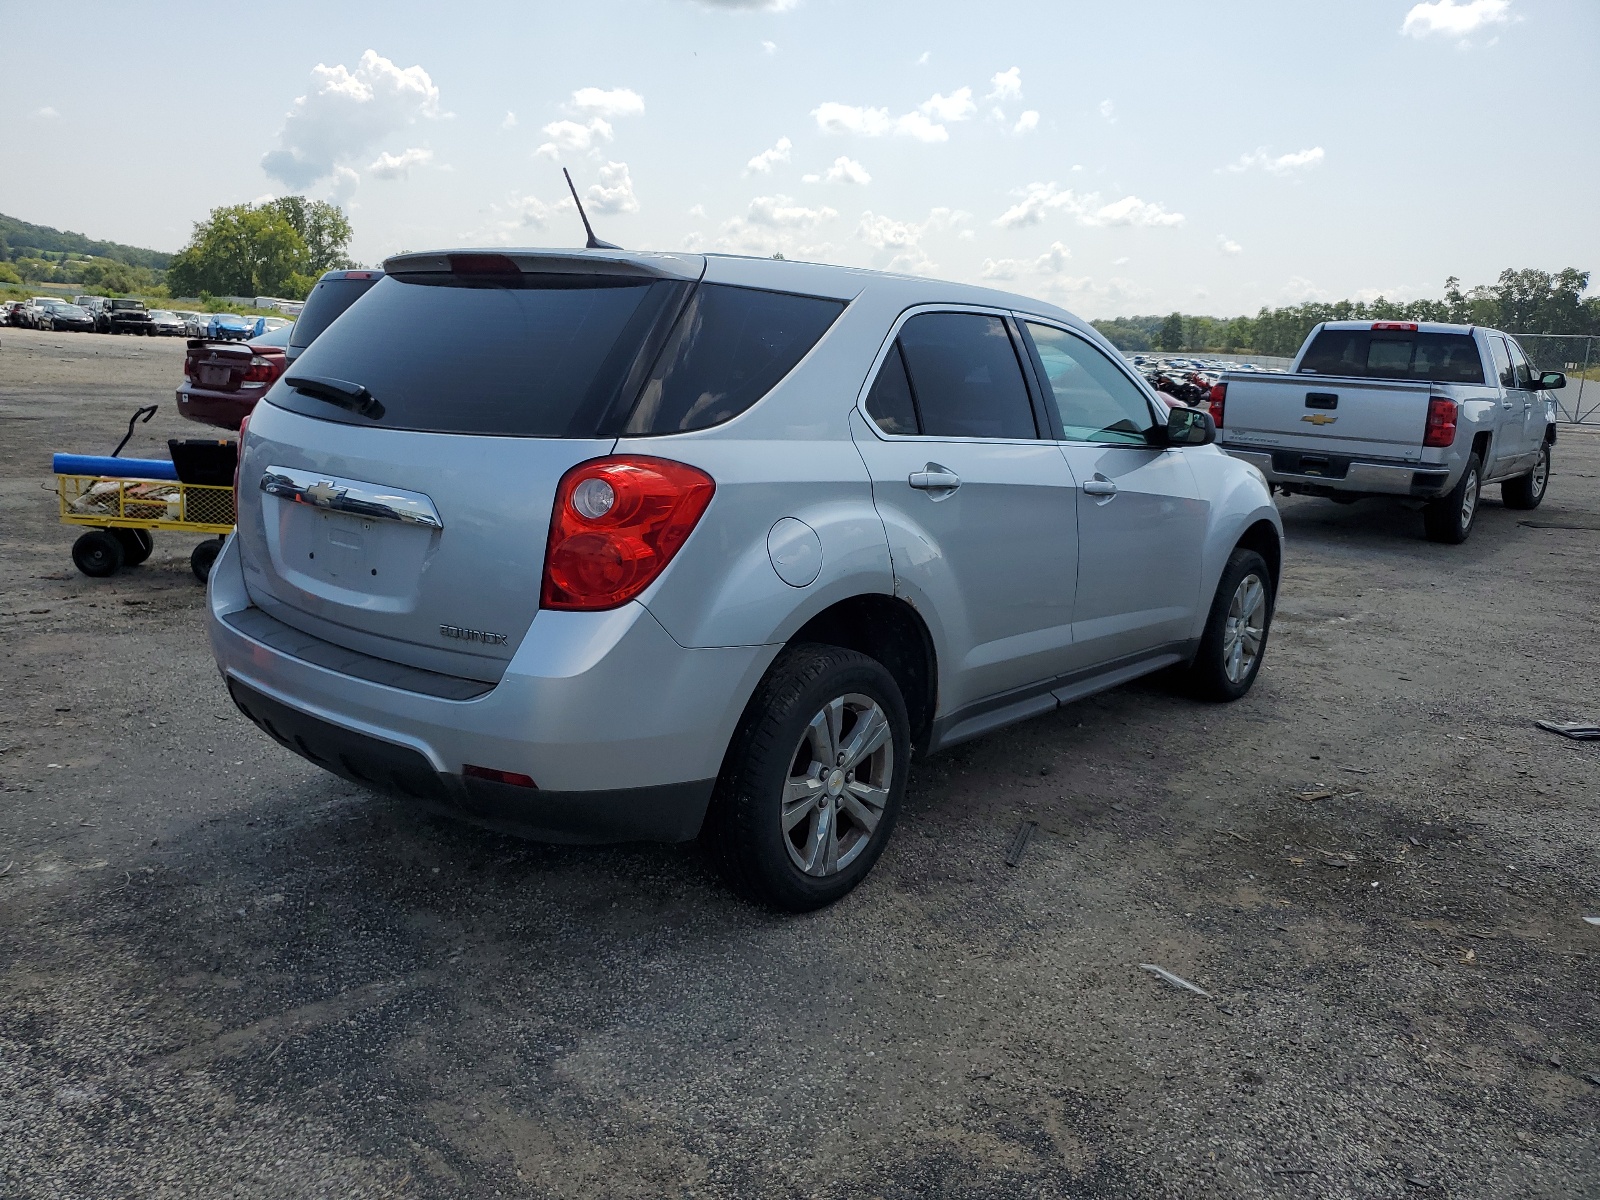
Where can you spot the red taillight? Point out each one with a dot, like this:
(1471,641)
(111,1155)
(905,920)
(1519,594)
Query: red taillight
(1441,430)
(616,525)
(1408,326)
(483,264)
(262,369)
(358,275)
(514,778)
(1217,401)
(244,423)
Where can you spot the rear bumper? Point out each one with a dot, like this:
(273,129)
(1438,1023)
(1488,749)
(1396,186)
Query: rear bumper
(622,729)
(1358,477)
(225,410)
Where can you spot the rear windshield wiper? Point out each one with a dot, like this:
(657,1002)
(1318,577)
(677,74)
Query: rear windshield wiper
(341,392)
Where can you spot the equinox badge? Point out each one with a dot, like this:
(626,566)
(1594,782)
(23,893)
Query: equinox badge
(473,635)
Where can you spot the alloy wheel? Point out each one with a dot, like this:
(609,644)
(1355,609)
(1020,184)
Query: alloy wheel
(1541,471)
(1469,500)
(838,785)
(1246,628)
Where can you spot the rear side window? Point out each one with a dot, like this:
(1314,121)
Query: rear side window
(965,378)
(327,300)
(889,403)
(730,347)
(544,356)
(1395,354)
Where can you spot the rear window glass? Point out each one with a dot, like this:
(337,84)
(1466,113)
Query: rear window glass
(730,347)
(1395,354)
(544,357)
(966,377)
(327,300)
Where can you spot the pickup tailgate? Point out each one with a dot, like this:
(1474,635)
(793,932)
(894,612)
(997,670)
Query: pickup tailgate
(1359,418)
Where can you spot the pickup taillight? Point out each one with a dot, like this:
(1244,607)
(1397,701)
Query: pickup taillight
(1441,430)
(1216,401)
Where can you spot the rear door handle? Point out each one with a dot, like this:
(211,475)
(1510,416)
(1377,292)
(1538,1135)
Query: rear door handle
(934,478)
(1099,487)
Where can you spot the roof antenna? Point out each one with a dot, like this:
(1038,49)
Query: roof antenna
(593,243)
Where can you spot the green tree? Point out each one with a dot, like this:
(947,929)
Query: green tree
(1170,335)
(323,228)
(277,248)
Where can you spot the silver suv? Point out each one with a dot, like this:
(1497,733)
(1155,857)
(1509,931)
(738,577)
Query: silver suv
(604,546)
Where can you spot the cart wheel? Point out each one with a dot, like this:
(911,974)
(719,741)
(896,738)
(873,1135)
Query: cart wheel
(136,545)
(98,553)
(202,556)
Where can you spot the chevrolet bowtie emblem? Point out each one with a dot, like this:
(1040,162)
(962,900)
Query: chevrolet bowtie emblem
(323,494)
(1319,418)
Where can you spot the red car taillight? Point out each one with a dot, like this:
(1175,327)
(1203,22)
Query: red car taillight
(263,370)
(1217,401)
(1441,430)
(616,525)
(238,459)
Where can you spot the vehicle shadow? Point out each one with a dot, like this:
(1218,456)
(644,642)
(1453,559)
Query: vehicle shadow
(1378,521)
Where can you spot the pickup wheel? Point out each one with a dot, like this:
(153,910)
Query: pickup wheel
(1450,520)
(1235,638)
(1526,491)
(812,781)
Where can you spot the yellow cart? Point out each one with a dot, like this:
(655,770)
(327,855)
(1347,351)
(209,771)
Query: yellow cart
(122,512)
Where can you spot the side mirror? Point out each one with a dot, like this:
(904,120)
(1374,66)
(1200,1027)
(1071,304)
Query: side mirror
(1190,427)
(1551,381)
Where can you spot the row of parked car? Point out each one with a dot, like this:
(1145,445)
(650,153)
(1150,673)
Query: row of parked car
(100,314)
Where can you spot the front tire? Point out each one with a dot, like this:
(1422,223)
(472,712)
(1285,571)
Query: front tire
(1450,520)
(813,779)
(1527,491)
(1235,637)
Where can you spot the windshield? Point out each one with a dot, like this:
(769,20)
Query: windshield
(541,356)
(1395,354)
(327,300)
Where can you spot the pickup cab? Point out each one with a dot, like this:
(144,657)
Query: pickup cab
(1429,412)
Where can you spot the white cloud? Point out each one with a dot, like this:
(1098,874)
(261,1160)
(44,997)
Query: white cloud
(752,5)
(510,122)
(899,243)
(1455,18)
(1040,199)
(345,114)
(1300,289)
(1117,262)
(699,210)
(508,221)
(398,166)
(614,192)
(345,182)
(922,59)
(617,102)
(1108,110)
(1282,164)
(1227,245)
(764,161)
(957,106)
(46,112)
(1005,85)
(1052,262)
(876,122)
(1026,123)
(573,137)
(780,212)
(769,47)
(844,170)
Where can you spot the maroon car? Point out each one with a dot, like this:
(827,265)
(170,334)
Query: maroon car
(223,380)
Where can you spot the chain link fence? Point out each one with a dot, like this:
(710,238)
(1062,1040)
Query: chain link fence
(1578,356)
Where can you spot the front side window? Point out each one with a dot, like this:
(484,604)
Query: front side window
(1521,372)
(1097,402)
(730,347)
(964,377)
(1502,361)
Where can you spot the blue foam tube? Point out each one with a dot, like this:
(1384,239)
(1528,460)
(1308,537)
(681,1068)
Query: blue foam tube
(115,468)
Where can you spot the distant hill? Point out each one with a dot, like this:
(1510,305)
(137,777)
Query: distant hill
(29,239)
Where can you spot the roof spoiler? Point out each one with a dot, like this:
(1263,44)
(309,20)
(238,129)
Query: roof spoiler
(627,264)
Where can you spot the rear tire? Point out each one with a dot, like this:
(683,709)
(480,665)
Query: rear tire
(1527,491)
(136,545)
(202,556)
(1235,638)
(801,813)
(98,553)
(1450,520)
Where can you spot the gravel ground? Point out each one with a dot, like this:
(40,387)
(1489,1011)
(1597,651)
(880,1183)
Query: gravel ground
(223,973)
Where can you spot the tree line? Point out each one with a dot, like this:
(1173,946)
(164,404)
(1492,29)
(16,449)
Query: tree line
(276,248)
(1519,301)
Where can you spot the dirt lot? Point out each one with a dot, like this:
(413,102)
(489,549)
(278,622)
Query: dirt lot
(225,973)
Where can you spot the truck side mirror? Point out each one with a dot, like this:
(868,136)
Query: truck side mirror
(1552,381)
(1190,427)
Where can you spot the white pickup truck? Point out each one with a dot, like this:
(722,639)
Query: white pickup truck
(1427,411)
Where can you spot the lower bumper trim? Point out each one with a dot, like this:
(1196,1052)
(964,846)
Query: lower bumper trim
(670,812)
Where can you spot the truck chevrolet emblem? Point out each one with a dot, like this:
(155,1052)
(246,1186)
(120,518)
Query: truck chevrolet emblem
(1319,418)
(322,494)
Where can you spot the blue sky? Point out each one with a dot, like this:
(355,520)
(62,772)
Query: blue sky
(1116,158)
